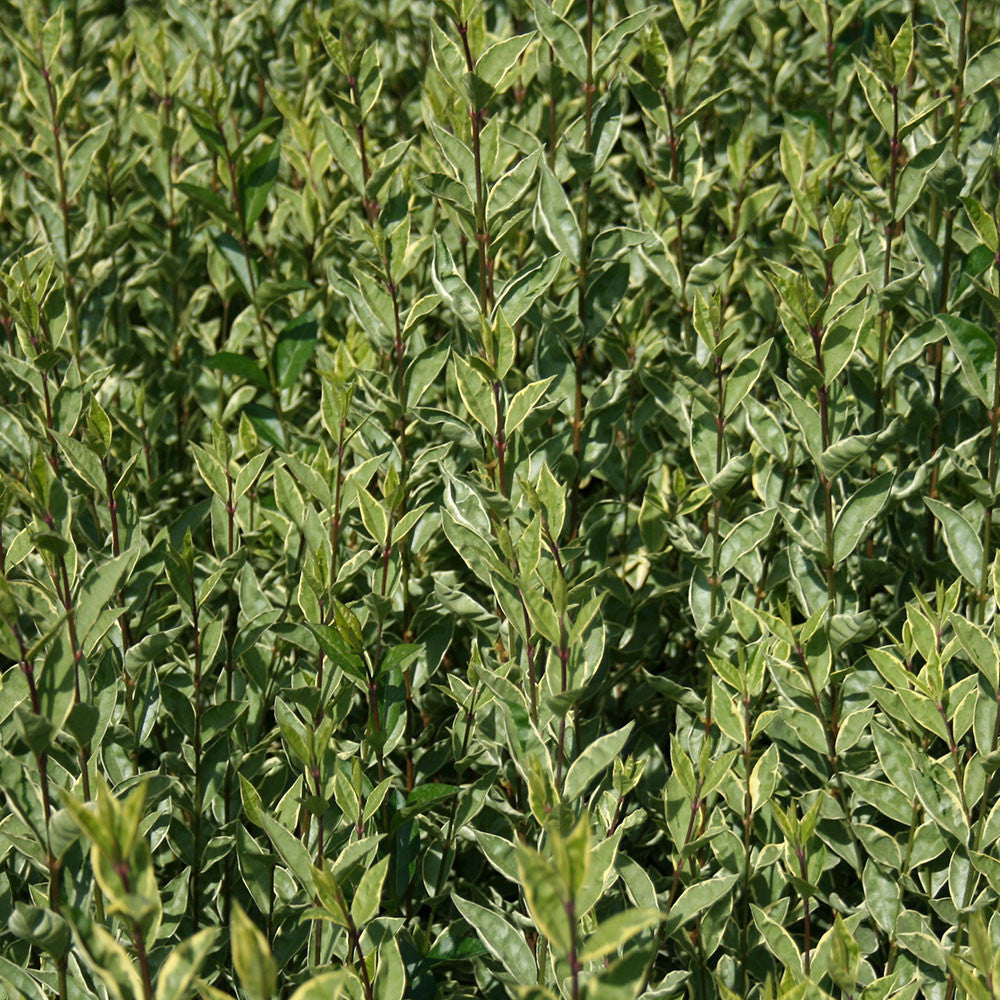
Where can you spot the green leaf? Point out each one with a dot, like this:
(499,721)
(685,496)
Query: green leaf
(504,943)
(256,180)
(982,69)
(744,376)
(612,933)
(494,65)
(477,395)
(779,941)
(452,286)
(546,897)
(40,927)
(709,270)
(374,516)
(695,900)
(746,536)
(979,648)
(325,986)
(99,586)
(252,957)
(81,158)
(618,35)
(368,895)
(179,972)
(211,202)
(841,339)
(240,262)
(343,148)
(883,897)
(289,848)
(982,222)
(964,545)
(564,39)
(593,760)
(98,435)
(976,351)
(902,56)
(266,423)
(523,403)
(858,513)
(83,462)
(558,216)
(294,733)
(845,955)
(293,349)
(238,364)
(211,470)
(879,99)
(386,169)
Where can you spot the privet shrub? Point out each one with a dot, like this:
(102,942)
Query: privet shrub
(498,500)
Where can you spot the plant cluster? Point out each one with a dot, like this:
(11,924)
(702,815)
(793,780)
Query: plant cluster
(498,499)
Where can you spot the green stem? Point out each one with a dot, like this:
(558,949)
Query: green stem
(41,762)
(244,242)
(137,938)
(958,90)
(807,930)
(994,417)
(71,303)
(196,791)
(720,442)
(574,962)
(747,827)
(583,274)
(890,232)
(823,393)
(482,234)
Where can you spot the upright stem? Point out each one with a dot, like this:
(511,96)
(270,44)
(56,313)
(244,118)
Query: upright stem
(720,440)
(831,728)
(627,478)
(992,473)
(244,242)
(320,858)
(123,619)
(371,210)
(196,793)
(482,234)
(972,884)
(563,654)
(140,945)
(41,762)
(830,79)
(949,223)
(354,937)
(747,832)
(232,621)
(338,491)
(65,594)
(675,175)
(823,392)
(450,834)
(761,589)
(500,441)
(890,232)
(807,933)
(574,961)
(583,273)
(71,303)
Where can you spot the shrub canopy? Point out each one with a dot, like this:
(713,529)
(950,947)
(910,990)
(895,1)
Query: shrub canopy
(497,500)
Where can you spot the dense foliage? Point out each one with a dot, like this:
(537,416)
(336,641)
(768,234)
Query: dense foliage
(498,499)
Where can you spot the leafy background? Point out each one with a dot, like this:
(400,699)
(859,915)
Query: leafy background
(497,499)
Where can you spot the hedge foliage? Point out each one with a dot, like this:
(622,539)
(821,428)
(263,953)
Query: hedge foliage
(498,499)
